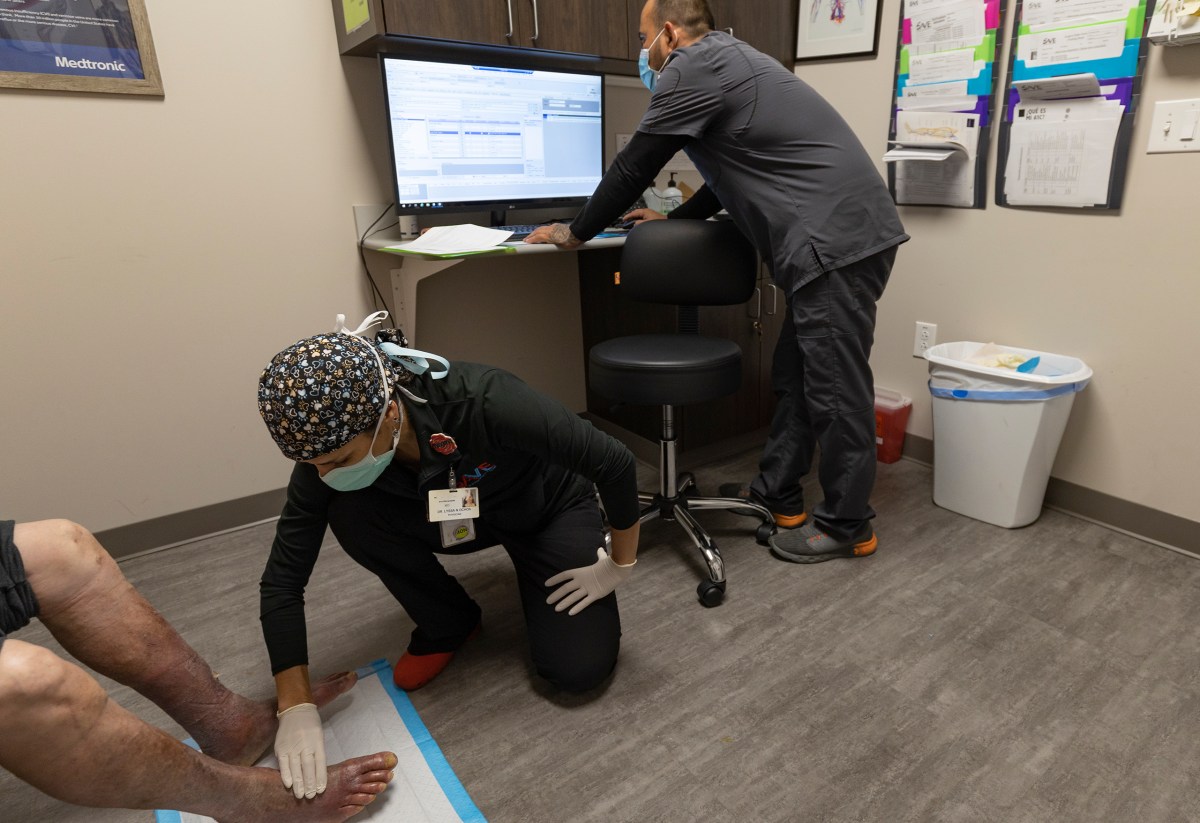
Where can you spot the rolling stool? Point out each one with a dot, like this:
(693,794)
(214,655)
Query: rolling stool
(689,263)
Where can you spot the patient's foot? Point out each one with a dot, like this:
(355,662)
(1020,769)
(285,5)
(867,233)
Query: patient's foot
(243,731)
(352,785)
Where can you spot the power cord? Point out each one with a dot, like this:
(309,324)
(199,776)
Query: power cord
(363,257)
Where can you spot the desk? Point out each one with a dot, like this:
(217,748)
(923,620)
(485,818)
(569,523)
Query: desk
(409,270)
(537,311)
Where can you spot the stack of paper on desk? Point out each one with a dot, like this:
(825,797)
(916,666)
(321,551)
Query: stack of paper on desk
(454,241)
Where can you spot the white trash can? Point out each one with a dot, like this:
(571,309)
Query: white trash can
(996,429)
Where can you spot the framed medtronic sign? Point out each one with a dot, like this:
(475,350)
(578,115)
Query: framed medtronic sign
(78,45)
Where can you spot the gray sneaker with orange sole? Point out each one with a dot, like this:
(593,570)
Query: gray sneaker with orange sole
(809,544)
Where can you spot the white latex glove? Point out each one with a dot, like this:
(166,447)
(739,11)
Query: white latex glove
(584,586)
(300,750)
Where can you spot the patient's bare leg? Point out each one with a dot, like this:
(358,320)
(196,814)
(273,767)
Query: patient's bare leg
(60,732)
(97,615)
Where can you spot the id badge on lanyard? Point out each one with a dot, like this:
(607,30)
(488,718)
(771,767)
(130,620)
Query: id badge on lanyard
(454,510)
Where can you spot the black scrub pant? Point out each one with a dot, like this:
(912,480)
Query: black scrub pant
(390,537)
(825,395)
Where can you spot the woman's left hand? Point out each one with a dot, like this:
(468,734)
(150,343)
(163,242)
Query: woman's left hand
(584,586)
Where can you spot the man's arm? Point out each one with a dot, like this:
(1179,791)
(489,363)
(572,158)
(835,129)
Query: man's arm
(700,206)
(630,173)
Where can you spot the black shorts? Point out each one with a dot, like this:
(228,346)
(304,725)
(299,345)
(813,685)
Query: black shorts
(17,604)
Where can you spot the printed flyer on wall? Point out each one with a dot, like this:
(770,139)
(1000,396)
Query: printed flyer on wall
(87,38)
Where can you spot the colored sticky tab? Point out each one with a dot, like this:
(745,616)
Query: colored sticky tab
(355,14)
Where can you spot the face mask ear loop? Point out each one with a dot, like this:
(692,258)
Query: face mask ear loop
(404,358)
(368,322)
(387,394)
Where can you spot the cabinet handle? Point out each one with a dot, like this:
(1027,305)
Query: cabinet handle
(730,31)
(757,312)
(774,299)
(536,30)
(510,23)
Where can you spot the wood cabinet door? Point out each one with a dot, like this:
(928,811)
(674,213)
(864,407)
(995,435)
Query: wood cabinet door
(580,26)
(768,25)
(477,21)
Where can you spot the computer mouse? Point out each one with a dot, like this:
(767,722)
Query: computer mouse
(627,225)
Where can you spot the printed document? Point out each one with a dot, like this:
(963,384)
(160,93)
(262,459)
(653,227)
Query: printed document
(1061,152)
(936,157)
(455,240)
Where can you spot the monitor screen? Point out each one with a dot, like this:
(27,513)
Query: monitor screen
(473,137)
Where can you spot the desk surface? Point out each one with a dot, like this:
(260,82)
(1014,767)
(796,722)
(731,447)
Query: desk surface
(380,241)
(407,270)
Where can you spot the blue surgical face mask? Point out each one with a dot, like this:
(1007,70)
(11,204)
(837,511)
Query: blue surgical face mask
(366,471)
(649,75)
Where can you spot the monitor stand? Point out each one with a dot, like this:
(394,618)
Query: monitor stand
(499,217)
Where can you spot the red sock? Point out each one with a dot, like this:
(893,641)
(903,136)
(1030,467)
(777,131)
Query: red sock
(412,671)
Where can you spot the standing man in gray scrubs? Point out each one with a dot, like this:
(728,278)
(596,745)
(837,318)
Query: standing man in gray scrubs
(795,179)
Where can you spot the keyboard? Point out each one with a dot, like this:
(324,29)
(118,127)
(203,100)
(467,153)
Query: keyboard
(520,232)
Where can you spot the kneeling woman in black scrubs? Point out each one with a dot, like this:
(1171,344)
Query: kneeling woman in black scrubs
(388,449)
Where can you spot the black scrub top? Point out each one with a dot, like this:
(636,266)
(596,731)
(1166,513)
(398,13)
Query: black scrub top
(530,457)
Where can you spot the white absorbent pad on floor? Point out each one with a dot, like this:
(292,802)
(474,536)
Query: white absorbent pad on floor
(372,717)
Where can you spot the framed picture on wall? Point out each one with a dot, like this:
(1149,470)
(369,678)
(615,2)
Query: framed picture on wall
(78,45)
(837,28)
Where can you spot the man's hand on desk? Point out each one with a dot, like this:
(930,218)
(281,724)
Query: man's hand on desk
(559,234)
(641,215)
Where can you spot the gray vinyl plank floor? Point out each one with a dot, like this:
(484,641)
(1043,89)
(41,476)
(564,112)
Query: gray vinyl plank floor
(965,672)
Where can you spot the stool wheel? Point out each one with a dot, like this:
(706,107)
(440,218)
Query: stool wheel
(763,533)
(710,593)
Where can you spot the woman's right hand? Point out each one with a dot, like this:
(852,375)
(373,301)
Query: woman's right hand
(299,741)
(300,750)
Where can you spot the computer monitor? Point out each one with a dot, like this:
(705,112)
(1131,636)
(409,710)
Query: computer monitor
(468,136)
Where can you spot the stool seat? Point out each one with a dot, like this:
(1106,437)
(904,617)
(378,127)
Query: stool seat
(665,369)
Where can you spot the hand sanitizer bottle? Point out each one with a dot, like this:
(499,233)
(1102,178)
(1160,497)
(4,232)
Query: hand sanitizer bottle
(672,197)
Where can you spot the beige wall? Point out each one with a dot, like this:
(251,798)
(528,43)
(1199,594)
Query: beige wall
(155,253)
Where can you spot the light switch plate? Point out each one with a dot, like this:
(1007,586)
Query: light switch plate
(1175,127)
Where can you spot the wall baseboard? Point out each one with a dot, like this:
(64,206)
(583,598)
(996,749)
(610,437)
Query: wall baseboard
(194,524)
(1166,530)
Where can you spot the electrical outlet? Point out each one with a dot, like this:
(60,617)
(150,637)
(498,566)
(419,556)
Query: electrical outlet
(925,339)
